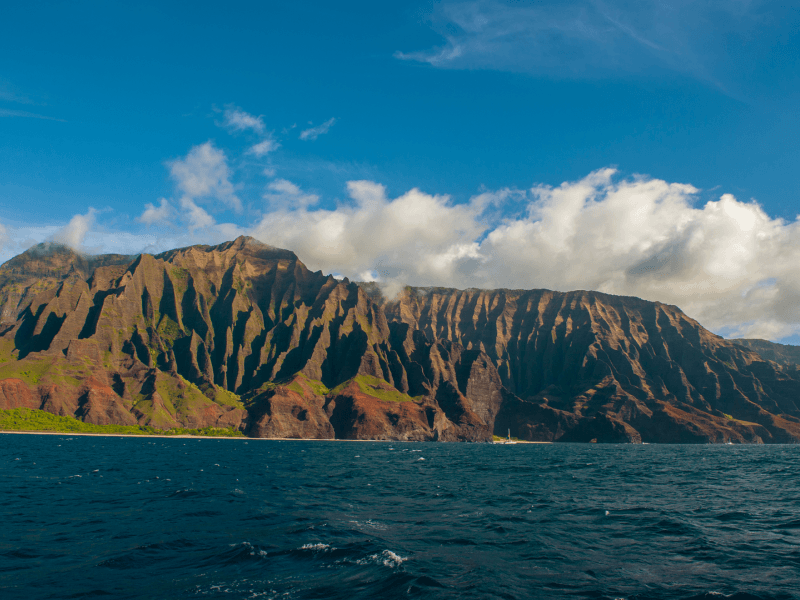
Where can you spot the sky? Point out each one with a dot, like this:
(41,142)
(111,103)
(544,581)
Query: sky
(637,148)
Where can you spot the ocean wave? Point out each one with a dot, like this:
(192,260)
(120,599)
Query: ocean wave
(387,558)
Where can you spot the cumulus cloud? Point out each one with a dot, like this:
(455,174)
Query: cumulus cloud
(196,217)
(409,239)
(726,263)
(74,233)
(314,132)
(160,215)
(238,120)
(203,175)
(285,194)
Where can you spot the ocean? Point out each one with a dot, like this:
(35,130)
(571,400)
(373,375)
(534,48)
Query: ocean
(127,517)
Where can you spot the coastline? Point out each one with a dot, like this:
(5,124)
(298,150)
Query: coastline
(212,437)
(131,435)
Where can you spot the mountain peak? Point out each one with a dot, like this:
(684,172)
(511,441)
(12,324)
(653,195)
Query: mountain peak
(252,246)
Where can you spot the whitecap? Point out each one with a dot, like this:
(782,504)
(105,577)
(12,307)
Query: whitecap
(391,559)
(253,550)
(387,558)
(317,546)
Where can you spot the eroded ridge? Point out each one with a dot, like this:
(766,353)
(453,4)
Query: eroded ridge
(242,335)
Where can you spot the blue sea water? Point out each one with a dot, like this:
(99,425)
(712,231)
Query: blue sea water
(187,518)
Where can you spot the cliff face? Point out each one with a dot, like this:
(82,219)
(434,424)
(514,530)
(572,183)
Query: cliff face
(238,335)
(243,335)
(783,354)
(591,365)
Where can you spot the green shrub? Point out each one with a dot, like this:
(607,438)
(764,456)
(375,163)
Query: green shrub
(28,419)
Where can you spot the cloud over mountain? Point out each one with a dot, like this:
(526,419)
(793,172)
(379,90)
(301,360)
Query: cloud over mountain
(726,263)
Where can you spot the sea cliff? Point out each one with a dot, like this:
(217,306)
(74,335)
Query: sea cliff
(242,336)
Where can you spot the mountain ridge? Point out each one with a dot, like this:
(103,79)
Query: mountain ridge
(243,335)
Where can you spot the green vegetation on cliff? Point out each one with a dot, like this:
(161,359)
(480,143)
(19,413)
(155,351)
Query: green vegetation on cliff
(30,371)
(27,419)
(377,388)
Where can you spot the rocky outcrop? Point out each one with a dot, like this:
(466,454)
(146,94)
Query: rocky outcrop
(243,335)
(283,412)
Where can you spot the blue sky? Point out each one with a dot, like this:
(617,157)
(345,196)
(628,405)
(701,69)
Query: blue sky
(496,114)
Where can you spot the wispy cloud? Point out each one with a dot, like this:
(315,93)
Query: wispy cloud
(314,132)
(285,194)
(589,38)
(11,93)
(5,112)
(238,120)
(264,147)
(9,96)
(235,120)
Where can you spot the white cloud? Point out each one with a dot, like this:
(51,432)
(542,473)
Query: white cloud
(314,132)
(238,120)
(413,236)
(285,194)
(87,234)
(160,215)
(264,147)
(726,263)
(74,233)
(203,175)
(196,217)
